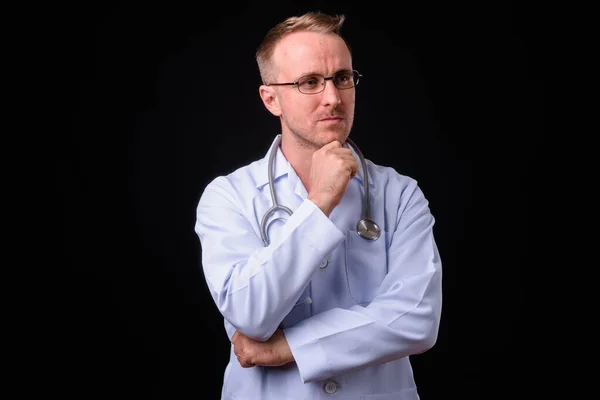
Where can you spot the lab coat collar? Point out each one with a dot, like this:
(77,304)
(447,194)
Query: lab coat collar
(282,167)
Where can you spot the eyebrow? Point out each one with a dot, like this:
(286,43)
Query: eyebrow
(318,73)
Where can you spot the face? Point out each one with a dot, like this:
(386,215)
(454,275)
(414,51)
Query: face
(312,120)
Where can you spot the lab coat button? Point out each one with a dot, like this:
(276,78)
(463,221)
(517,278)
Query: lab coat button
(330,387)
(323,263)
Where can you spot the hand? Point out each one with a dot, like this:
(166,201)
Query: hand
(272,353)
(332,168)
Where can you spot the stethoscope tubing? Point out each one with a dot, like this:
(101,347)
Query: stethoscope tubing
(278,207)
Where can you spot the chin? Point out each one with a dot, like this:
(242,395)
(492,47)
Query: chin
(330,136)
(320,138)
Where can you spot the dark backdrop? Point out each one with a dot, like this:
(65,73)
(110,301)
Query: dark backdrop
(163,98)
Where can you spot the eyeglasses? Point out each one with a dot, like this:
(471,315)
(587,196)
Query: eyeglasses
(315,83)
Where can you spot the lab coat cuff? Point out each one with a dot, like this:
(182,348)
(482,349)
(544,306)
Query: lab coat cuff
(323,233)
(309,356)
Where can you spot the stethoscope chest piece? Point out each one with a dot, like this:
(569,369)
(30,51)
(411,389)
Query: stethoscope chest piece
(368,229)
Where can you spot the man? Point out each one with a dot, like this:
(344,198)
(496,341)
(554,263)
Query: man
(312,308)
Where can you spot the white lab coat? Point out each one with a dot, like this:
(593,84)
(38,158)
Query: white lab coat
(352,310)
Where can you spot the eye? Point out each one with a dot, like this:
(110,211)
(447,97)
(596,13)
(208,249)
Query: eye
(344,79)
(309,81)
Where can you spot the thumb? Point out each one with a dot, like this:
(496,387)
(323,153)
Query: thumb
(332,145)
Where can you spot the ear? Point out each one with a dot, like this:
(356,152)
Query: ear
(270,99)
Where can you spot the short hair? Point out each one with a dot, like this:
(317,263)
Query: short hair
(310,22)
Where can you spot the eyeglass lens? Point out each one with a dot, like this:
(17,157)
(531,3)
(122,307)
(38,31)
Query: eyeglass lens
(316,83)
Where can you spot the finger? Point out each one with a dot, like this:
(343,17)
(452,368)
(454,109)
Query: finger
(350,160)
(340,151)
(238,355)
(244,362)
(331,145)
(344,155)
(354,169)
(347,156)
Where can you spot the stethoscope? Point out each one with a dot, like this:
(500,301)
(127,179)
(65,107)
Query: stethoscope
(366,228)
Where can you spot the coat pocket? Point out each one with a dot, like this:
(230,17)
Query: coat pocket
(366,265)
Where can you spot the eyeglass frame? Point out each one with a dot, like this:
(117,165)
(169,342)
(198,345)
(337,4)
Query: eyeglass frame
(325,79)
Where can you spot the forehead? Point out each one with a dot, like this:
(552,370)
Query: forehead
(300,53)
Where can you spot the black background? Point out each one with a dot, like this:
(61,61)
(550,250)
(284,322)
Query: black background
(163,98)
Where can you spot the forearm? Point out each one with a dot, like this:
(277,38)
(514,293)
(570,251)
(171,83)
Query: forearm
(258,292)
(393,326)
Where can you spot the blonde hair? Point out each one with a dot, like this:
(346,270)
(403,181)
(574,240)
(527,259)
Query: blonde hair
(310,22)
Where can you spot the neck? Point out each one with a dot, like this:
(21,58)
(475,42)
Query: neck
(299,155)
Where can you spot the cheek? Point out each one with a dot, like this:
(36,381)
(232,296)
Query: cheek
(349,98)
(299,109)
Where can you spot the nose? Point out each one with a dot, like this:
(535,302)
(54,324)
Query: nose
(331,94)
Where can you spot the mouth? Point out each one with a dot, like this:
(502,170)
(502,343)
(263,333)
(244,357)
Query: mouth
(331,119)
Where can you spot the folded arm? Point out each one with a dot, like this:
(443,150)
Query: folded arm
(403,318)
(255,287)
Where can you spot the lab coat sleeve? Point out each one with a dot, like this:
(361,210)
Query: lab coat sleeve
(402,319)
(254,287)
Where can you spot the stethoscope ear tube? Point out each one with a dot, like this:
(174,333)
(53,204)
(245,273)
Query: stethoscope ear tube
(367,198)
(276,206)
(366,227)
